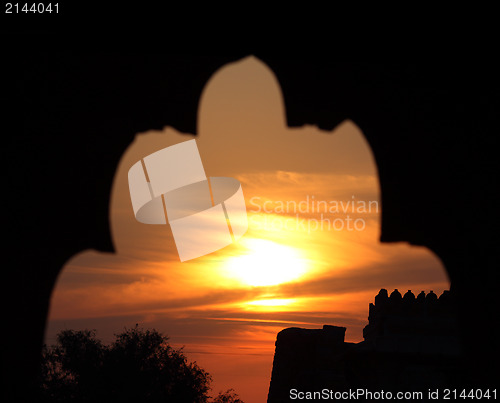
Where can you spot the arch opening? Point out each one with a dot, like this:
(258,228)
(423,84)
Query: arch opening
(311,255)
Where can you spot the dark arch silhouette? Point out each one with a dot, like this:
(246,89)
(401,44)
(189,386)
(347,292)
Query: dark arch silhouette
(70,116)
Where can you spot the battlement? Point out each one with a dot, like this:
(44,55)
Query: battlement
(406,314)
(422,304)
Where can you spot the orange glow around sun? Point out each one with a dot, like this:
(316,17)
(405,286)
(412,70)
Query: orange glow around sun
(264,263)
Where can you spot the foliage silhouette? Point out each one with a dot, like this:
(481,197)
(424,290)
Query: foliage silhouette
(139,366)
(229,396)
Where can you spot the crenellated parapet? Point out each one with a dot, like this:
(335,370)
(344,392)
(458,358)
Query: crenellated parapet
(424,317)
(409,304)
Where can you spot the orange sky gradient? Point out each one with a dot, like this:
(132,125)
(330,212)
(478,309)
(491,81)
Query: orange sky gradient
(227,307)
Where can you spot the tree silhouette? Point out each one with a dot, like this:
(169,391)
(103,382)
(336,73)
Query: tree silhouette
(139,366)
(229,396)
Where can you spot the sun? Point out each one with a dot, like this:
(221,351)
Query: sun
(264,263)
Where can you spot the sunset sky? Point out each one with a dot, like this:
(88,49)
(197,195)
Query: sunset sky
(311,255)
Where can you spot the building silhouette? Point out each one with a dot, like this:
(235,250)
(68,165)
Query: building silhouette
(410,343)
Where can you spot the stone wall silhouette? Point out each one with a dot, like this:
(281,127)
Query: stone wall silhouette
(407,323)
(411,343)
